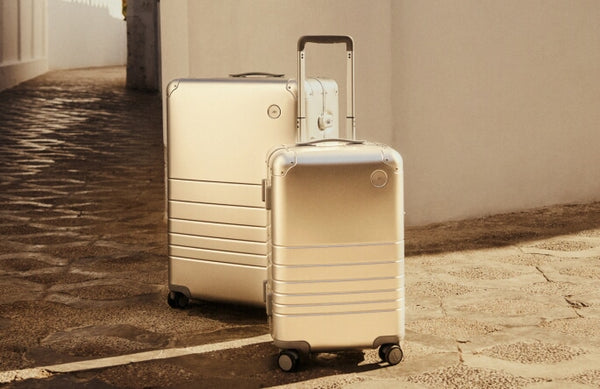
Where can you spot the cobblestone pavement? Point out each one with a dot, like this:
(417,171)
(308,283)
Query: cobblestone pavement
(504,301)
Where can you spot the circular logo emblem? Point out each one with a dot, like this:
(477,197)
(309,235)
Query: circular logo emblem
(274,111)
(379,178)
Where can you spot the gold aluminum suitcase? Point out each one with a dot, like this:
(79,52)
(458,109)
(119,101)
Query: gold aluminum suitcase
(218,132)
(336,260)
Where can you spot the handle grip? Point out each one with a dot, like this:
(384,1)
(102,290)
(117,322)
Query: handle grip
(334,140)
(326,39)
(256,74)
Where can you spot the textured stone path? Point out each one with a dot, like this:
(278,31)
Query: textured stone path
(504,301)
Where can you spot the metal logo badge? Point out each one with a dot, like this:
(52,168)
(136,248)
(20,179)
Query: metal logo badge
(379,178)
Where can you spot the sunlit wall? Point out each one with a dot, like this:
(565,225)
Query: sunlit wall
(493,104)
(23,40)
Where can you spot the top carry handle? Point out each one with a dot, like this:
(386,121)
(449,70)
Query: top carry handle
(327,39)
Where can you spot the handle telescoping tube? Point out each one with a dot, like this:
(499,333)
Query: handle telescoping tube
(327,39)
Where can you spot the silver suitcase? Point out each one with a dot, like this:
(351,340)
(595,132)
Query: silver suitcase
(336,261)
(218,132)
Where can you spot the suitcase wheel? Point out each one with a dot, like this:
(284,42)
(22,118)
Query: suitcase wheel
(391,353)
(177,300)
(288,360)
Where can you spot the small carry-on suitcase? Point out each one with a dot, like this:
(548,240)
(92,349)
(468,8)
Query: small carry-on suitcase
(218,132)
(336,261)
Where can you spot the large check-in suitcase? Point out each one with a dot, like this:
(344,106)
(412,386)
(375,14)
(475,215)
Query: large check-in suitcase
(336,261)
(218,132)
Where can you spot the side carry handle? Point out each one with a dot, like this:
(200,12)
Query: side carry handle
(257,75)
(327,39)
(333,140)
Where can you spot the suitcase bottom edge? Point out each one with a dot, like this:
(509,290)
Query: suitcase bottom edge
(305,347)
(218,281)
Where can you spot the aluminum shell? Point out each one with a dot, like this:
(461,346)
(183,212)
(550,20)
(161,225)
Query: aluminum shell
(336,265)
(218,131)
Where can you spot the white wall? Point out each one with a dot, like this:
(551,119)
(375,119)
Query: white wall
(82,35)
(22,41)
(497,106)
(493,104)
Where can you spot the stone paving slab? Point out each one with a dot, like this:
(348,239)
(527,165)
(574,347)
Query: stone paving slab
(504,301)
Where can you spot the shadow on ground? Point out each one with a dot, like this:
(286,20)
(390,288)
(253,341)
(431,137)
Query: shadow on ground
(502,230)
(253,366)
(247,367)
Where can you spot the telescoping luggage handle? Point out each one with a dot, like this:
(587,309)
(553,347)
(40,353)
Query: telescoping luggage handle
(327,39)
